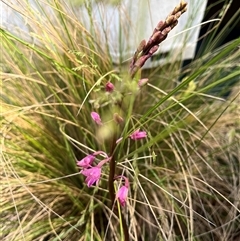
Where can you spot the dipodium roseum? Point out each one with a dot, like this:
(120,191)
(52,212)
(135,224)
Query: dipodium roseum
(92,175)
(86,161)
(122,195)
(96,117)
(122,192)
(136,135)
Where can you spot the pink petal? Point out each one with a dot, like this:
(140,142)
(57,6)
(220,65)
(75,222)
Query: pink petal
(138,135)
(92,175)
(96,117)
(122,195)
(86,161)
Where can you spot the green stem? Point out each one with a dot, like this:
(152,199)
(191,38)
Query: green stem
(112,171)
(125,227)
(111,187)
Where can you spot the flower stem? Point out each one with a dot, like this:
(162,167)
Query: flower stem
(125,228)
(111,187)
(112,171)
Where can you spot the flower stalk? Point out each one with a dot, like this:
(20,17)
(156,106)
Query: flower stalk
(146,49)
(120,99)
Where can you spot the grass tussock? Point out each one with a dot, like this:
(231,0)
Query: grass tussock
(184,177)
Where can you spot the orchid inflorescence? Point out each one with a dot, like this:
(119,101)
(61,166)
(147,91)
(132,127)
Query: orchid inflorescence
(122,100)
(93,173)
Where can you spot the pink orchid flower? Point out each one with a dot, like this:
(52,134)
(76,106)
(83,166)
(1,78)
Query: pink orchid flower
(122,192)
(136,135)
(86,161)
(96,117)
(92,175)
(122,195)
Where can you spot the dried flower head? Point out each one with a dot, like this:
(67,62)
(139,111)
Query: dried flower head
(146,49)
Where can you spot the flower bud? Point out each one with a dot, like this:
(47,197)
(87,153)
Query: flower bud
(117,118)
(109,87)
(142,82)
(95,116)
(137,135)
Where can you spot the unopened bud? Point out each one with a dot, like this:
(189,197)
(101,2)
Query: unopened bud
(159,26)
(142,82)
(153,49)
(141,61)
(166,31)
(109,87)
(141,46)
(117,118)
(170,19)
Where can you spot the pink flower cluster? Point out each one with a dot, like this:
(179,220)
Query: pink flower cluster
(92,173)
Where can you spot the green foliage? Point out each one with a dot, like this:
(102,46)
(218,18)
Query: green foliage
(184,177)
